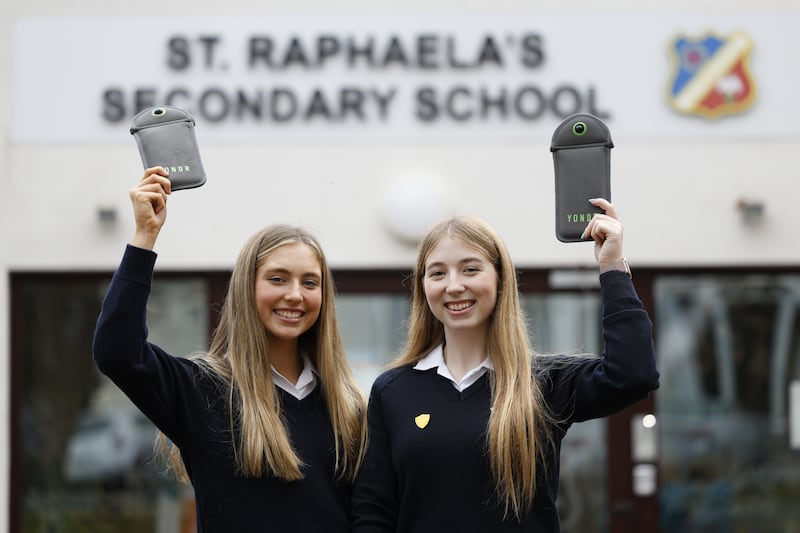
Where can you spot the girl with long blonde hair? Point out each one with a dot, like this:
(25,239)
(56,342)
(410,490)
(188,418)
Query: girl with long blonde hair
(268,424)
(464,429)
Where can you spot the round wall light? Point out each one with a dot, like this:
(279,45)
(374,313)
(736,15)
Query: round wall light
(412,204)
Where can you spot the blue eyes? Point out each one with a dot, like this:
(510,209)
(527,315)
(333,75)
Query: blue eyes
(309,283)
(466,270)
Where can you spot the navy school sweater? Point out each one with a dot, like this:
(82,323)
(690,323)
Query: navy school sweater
(436,478)
(191,409)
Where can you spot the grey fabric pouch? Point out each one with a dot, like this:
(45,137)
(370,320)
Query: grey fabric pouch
(165,137)
(581,149)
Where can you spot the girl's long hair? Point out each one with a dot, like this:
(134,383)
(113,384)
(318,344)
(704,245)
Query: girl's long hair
(517,432)
(238,359)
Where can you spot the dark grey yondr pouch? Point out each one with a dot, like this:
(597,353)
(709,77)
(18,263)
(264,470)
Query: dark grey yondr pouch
(165,136)
(581,149)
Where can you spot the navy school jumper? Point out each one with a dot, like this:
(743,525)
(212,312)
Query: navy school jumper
(437,478)
(191,409)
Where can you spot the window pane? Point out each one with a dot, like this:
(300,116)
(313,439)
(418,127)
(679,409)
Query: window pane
(85,449)
(728,350)
(373,331)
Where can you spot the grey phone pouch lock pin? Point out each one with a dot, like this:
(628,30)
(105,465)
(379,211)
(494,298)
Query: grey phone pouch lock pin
(581,149)
(165,136)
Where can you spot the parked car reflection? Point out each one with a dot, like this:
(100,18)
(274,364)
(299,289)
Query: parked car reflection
(110,447)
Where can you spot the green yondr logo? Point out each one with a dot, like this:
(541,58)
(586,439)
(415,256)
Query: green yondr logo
(579,217)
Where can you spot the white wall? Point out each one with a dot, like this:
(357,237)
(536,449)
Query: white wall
(678,201)
(677,196)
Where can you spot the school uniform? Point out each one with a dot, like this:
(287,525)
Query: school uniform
(191,408)
(427,468)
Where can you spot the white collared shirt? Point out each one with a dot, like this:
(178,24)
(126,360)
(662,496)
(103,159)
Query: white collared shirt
(305,383)
(435,359)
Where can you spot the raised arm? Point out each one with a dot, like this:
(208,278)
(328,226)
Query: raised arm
(626,372)
(147,374)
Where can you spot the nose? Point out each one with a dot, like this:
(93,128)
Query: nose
(454,285)
(293,292)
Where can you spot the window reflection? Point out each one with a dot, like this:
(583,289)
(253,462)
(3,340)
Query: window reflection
(373,330)
(86,451)
(728,350)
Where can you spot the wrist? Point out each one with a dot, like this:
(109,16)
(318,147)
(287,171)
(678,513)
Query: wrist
(620,264)
(144,239)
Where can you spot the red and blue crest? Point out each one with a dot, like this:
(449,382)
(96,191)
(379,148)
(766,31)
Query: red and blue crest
(712,75)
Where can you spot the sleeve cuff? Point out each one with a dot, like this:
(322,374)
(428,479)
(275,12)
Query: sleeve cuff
(137,265)
(617,292)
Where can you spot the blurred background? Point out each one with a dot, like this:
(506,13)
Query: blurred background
(366,122)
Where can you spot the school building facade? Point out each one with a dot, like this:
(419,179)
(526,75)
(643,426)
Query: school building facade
(366,123)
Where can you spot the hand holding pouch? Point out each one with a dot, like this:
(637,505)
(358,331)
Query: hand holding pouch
(581,149)
(165,137)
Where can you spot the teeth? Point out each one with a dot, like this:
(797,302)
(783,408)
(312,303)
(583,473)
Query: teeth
(288,314)
(459,306)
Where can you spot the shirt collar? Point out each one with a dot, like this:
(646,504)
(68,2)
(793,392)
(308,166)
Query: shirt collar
(305,382)
(435,359)
(309,374)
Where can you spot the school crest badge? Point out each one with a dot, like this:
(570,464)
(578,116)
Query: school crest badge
(422,420)
(712,75)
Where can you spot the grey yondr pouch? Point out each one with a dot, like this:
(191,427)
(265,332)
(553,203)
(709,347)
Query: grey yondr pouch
(165,137)
(581,149)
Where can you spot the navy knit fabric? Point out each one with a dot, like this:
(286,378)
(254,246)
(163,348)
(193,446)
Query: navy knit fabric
(191,409)
(436,478)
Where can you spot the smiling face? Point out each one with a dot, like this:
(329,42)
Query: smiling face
(288,291)
(460,285)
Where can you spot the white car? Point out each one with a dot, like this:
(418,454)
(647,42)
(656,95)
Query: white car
(109,446)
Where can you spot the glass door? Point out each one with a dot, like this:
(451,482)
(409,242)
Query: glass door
(729,353)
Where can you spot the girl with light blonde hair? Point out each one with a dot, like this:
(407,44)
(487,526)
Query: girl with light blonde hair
(268,424)
(464,429)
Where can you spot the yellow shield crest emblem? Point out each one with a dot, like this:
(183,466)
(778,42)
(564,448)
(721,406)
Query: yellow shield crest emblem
(422,420)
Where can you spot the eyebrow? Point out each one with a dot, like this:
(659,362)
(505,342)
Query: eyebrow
(470,259)
(282,270)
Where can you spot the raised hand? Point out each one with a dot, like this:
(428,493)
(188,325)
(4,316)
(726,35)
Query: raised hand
(149,200)
(606,231)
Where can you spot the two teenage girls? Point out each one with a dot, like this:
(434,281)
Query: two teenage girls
(463,433)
